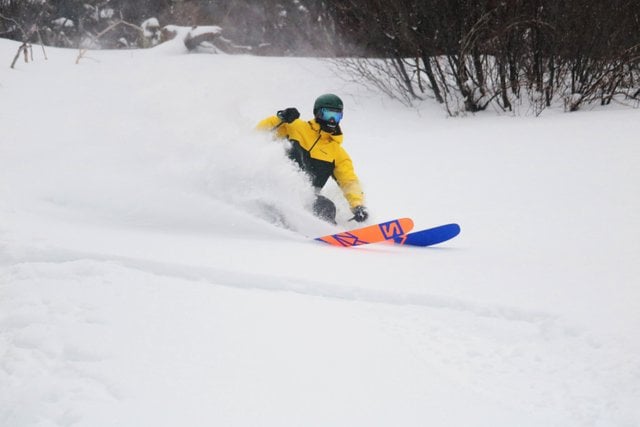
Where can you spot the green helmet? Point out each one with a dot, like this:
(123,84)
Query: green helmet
(328,100)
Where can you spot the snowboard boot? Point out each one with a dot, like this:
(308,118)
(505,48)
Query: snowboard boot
(325,209)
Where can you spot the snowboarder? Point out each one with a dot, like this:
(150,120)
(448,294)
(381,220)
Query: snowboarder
(316,146)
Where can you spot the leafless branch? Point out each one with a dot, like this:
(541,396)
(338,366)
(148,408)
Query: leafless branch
(96,37)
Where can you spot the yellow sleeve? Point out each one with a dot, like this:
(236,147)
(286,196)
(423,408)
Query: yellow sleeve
(273,123)
(348,180)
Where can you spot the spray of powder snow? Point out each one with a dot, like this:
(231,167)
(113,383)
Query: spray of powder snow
(233,178)
(251,172)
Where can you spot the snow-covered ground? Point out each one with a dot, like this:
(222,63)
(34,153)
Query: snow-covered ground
(143,282)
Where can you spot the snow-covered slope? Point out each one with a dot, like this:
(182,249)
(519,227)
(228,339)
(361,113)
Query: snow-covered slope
(143,281)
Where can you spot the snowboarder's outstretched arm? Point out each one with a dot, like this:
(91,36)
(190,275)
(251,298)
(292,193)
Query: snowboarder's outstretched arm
(280,121)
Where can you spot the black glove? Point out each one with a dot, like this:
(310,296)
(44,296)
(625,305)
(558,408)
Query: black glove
(360,213)
(288,114)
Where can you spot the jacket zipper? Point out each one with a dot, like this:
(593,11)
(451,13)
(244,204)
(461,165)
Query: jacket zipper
(314,144)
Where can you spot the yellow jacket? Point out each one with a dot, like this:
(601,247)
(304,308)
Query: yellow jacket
(320,154)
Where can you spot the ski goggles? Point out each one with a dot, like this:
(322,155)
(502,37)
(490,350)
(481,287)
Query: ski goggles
(329,115)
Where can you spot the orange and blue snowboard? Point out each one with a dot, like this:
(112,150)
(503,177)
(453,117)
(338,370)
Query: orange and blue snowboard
(396,231)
